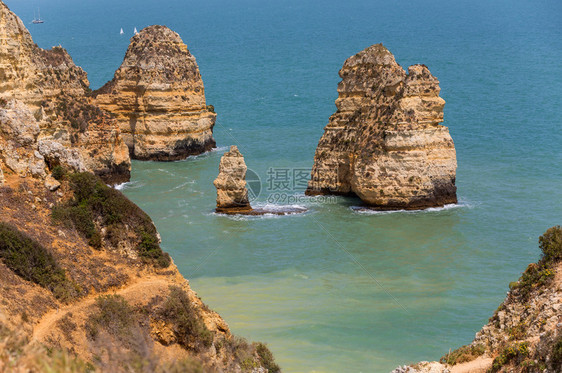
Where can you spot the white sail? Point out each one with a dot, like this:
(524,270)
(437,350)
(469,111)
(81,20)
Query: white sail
(122,32)
(136,32)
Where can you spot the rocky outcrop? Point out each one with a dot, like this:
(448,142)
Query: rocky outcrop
(232,194)
(46,117)
(158,98)
(524,335)
(384,143)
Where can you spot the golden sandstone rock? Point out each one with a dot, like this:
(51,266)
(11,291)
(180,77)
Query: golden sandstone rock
(46,118)
(158,98)
(384,143)
(232,195)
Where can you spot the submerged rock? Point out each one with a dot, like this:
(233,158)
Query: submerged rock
(158,98)
(384,143)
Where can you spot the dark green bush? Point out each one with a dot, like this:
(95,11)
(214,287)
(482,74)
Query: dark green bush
(267,359)
(58,172)
(114,315)
(80,218)
(31,261)
(541,274)
(551,245)
(463,354)
(95,201)
(189,329)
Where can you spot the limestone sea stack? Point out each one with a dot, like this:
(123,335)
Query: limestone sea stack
(232,194)
(46,118)
(384,143)
(232,191)
(158,98)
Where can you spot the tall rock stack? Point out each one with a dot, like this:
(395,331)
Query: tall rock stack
(232,194)
(46,118)
(158,98)
(384,143)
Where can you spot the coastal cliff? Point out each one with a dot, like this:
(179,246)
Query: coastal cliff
(46,117)
(524,335)
(384,143)
(158,98)
(85,283)
(83,275)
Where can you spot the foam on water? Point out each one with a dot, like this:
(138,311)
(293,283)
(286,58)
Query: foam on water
(129,185)
(367,211)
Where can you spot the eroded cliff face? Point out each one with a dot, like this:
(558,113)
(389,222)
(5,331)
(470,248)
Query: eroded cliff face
(158,98)
(384,143)
(46,118)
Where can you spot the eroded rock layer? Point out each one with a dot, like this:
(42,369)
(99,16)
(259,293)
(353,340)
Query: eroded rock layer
(384,143)
(46,118)
(158,98)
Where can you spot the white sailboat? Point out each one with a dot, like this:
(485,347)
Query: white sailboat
(38,19)
(121,32)
(136,32)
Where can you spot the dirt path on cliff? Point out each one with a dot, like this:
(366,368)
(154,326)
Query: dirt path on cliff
(479,365)
(133,292)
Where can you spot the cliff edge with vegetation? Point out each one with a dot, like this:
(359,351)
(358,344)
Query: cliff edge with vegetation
(85,285)
(524,335)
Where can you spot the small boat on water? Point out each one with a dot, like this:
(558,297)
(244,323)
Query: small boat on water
(37,19)
(136,32)
(121,32)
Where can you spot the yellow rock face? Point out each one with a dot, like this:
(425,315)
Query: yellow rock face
(46,117)
(384,143)
(158,98)
(232,193)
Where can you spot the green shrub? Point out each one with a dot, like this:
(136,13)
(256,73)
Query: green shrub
(551,245)
(80,218)
(94,201)
(31,261)
(542,273)
(267,359)
(58,172)
(513,353)
(113,316)
(535,276)
(189,329)
(518,332)
(463,354)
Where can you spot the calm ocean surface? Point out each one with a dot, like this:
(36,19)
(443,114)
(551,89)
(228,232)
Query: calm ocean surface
(335,290)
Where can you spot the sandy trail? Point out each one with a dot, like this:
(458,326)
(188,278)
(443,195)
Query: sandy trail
(133,292)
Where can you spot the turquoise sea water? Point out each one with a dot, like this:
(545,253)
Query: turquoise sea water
(335,290)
